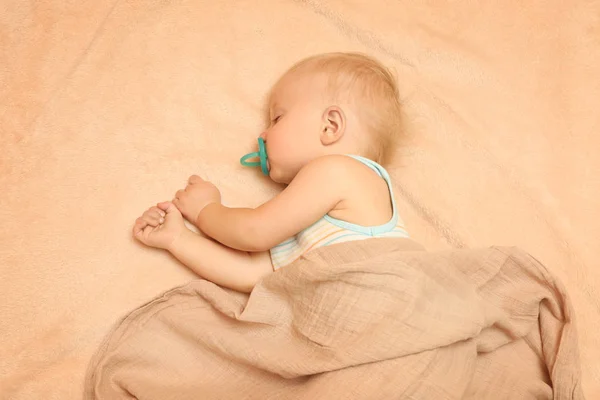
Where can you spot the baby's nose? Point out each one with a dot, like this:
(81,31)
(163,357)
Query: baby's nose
(264,136)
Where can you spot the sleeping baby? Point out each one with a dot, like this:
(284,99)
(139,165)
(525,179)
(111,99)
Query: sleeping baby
(335,118)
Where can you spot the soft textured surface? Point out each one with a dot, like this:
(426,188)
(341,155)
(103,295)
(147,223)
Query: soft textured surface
(373,319)
(106,107)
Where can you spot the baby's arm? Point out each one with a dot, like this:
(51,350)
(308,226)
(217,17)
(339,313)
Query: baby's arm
(315,191)
(235,269)
(162,227)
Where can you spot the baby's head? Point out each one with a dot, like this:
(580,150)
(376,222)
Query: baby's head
(334,103)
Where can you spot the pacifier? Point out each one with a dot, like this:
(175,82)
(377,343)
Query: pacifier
(262,156)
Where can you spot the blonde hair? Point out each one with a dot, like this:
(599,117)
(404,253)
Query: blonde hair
(371,88)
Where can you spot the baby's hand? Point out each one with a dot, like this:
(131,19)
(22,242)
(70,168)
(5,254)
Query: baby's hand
(197,195)
(159,226)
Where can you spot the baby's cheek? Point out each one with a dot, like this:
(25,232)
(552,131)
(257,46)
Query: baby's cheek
(275,174)
(274,153)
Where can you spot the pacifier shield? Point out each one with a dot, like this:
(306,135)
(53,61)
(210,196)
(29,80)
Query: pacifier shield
(261,154)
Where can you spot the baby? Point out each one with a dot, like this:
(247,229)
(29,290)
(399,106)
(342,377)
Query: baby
(334,118)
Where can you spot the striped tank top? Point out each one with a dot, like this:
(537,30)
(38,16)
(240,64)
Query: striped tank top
(329,230)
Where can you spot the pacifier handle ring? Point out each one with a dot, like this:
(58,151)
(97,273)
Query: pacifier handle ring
(251,163)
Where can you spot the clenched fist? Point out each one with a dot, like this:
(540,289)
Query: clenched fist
(197,194)
(159,226)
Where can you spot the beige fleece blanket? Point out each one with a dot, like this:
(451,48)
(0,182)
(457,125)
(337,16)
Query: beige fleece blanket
(107,106)
(374,319)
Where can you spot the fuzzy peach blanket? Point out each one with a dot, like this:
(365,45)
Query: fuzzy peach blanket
(107,106)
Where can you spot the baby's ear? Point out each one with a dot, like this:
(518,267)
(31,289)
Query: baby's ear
(334,125)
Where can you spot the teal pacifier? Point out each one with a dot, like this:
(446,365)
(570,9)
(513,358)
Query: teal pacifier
(261,154)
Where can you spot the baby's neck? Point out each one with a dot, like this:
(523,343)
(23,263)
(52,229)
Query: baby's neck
(343,148)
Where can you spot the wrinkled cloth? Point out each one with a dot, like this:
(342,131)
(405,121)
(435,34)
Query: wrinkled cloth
(372,319)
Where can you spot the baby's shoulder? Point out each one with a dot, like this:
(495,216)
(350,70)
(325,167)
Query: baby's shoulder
(365,197)
(333,168)
(347,171)
(338,163)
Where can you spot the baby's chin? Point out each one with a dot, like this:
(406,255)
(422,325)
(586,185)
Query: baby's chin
(278,174)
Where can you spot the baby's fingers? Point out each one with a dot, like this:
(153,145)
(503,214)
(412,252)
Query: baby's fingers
(158,210)
(139,226)
(154,216)
(143,235)
(155,212)
(195,179)
(179,194)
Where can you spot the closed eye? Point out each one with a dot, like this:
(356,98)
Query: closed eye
(276,119)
